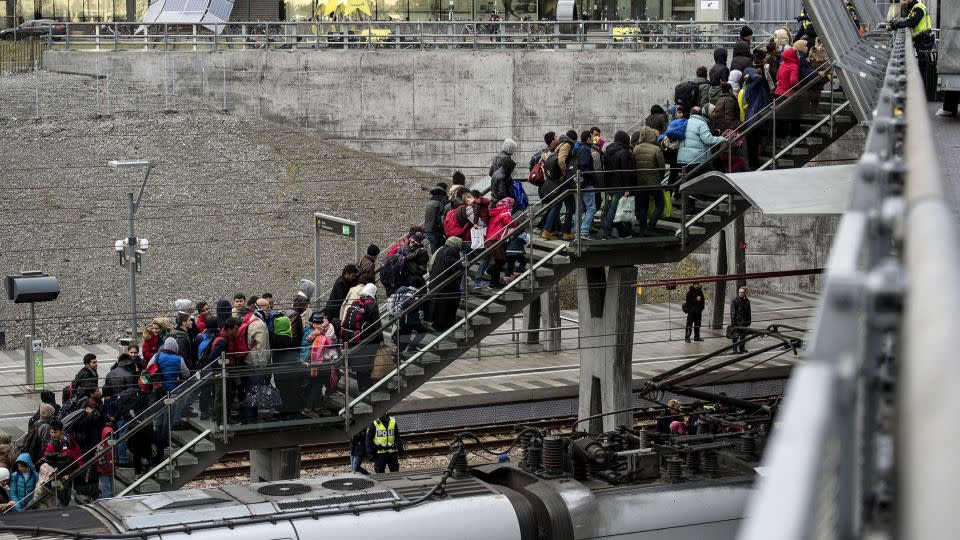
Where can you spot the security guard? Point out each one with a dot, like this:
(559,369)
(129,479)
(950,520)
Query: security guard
(806,29)
(384,444)
(921,30)
(854,16)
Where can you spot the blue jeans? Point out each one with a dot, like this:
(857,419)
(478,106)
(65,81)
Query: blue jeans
(106,486)
(122,446)
(608,223)
(553,218)
(643,202)
(356,465)
(588,210)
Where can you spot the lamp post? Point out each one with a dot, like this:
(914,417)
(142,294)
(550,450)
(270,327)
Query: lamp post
(132,249)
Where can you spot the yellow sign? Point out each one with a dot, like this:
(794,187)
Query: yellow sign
(348,7)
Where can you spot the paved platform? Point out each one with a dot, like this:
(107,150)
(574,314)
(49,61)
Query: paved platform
(497,373)
(946,139)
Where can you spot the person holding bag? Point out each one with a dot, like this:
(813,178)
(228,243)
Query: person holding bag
(619,173)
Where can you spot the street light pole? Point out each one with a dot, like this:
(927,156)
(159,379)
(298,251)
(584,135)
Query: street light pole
(133,249)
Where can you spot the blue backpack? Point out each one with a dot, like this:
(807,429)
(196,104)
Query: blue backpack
(520,200)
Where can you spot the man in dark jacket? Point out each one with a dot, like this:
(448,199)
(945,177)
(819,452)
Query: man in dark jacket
(501,183)
(368,265)
(87,376)
(415,263)
(719,72)
(619,174)
(122,376)
(554,187)
(740,317)
(358,449)
(301,302)
(181,334)
(694,303)
(504,156)
(348,278)
(433,216)
(742,55)
(588,203)
(48,397)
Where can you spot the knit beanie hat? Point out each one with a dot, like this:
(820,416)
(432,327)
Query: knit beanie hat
(4,474)
(510,146)
(307,288)
(183,304)
(373,250)
(745,32)
(370,289)
(170,344)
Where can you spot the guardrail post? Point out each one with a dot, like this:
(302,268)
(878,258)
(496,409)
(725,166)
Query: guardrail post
(683,211)
(579,213)
(774,141)
(225,400)
(346,388)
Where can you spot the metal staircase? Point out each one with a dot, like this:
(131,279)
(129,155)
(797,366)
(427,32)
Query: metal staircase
(196,444)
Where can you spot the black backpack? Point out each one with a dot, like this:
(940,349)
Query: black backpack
(391,269)
(552,168)
(687,94)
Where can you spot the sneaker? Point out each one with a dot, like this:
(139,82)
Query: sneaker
(585,237)
(507,279)
(309,413)
(567,237)
(687,340)
(481,284)
(944,112)
(547,235)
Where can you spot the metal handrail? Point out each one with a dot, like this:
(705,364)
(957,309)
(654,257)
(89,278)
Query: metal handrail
(165,462)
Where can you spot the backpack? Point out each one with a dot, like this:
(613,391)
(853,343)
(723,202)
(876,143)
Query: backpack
(128,400)
(239,344)
(401,300)
(685,308)
(391,269)
(66,394)
(537,175)
(597,158)
(520,200)
(203,356)
(552,168)
(686,94)
(148,378)
(394,249)
(355,320)
(32,444)
(451,226)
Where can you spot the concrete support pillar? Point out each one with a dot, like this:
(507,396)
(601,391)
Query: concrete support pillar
(544,312)
(531,321)
(271,464)
(606,302)
(739,250)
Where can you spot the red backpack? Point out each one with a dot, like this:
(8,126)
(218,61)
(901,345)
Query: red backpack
(452,226)
(537,176)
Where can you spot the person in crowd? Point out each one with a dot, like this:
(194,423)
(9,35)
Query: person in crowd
(122,375)
(203,310)
(322,354)
(410,329)
(23,483)
(48,397)
(251,305)
(39,433)
(474,214)
(301,301)
(105,464)
(433,214)
(702,81)
(500,221)
(87,376)
(697,145)
(540,156)
(788,75)
(348,278)
(368,265)
(221,346)
(258,343)
(651,168)
(669,415)
(501,182)
(181,334)
(740,317)
(619,174)
(734,81)
(504,156)
(583,153)
(268,296)
(4,487)
(415,261)
(726,114)
(757,97)
(65,455)
(224,311)
(153,337)
(458,182)
(184,306)
(695,304)
(658,119)
(558,186)
(362,334)
(286,368)
(384,444)
(719,72)
(352,295)
(442,310)
(239,302)
(742,53)
(358,450)
(771,63)
(921,31)
(170,364)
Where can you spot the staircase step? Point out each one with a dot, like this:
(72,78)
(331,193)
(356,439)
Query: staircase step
(429,358)
(675,225)
(493,307)
(538,254)
(185,459)
(412,371)
(377,397)
(475,320)
(182,437)
(512,295)
(124,479)
(363,408)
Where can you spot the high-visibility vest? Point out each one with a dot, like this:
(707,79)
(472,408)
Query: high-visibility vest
(804,19)
(384,437)
(924,23)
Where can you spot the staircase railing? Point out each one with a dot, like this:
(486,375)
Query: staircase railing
(167,463)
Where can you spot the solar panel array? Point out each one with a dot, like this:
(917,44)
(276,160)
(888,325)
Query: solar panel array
(860,62)
(869,13)
(189,11)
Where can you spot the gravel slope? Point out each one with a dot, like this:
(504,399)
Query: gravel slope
(228,206)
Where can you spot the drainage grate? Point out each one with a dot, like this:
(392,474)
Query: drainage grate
(376,496)
(347,484)
(284,490)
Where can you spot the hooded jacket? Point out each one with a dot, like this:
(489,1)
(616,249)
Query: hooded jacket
(337,294)
(122,376)
(501,182)
(657,119)
(698,141)
(757,96)
(224,311)
(433,212)
(500,219)
(742,56)
(105,463)
(22,485)
(184,346)
(258,341)
(788,74)
(619,162)
(86,378)
(504,156)
(648,159)
(454,242)
(295,314)
(726,115)
(693,305)
(719,71)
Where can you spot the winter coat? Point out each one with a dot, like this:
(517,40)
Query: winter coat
(122,376)
(105,463)
(368,269)
(648,155)
(718,73)
(703,94)
(446,262)
(502,158)
(757,96)
(172,367)
(22,485)
(698,142)
(150,347)
(581,152)
(788,74)
(433,212)
(335,300)
(415,264)
(258,341)
(397,441)
(500,219)
(676,130)
(726,115)
(358,444)
(693,305)
(770,66)
(619,160)
(352,295)
(86,378)
(295,314)
(501,182)
(657,119)
(740,312)
(185,347)
(742,56)
(61,454)
(563,151)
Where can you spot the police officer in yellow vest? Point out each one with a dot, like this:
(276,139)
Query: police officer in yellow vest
(806,30)
(384,444)
(921,30)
